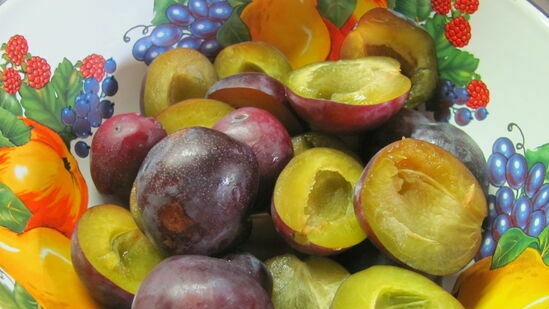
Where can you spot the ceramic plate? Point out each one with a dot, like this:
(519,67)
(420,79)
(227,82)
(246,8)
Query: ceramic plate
(494,65)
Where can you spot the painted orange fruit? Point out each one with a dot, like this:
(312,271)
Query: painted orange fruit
(40,261)
(294,27)
(45,176)
(523,283)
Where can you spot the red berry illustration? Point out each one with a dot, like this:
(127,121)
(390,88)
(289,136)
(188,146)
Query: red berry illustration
(441,6)
(38,72)
(458,31)
(93,66)
(17,48)
(479,95)
(11,80)
(467,6)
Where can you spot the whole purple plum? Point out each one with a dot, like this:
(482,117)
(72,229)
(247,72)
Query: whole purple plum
(194,191)
(200,282)
(118,147)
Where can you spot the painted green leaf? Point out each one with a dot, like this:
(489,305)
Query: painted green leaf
(460,68)
(10,103)
(235,3)
(23,299)
(454,64)
(544,244)
(13,213)
(234,30)
(6,297)
(417,10)
(337,11)
(539,154)
(67,82)
(42,105)
(13,131)
(511,244)
(159,9)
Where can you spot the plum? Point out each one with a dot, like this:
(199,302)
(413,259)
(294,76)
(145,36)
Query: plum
(348,96)
(304,283)
(458,143)
(382,32)
(312,206)
(253,266)
(200,282)
(387,286)
(269,140)
(421,206)
(312,139)
(117,149)
(252,56)
(418,125)
(111,255)
(175,75)
(258,90)
(192,112)
(194,190)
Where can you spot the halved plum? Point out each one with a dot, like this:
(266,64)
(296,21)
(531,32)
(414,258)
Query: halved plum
(348,96)
(304,283)
(386,286)
(381,32)
(422,206)
(312,205)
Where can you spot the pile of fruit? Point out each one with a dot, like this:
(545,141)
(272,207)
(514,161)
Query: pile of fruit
(255,181)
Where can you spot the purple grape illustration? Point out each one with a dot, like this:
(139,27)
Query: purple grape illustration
(519,180)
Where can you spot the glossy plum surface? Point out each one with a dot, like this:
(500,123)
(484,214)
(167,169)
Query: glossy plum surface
(200,282)
(118,147)
(194,190)
(268,139)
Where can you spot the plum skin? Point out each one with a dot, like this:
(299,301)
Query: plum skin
(268,139)
(198,281)
(194,191)
(117,150)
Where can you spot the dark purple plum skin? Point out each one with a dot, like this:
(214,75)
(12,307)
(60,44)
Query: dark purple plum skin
(118,147)
(199,282)
(269,140)
(253,266)
(194,191)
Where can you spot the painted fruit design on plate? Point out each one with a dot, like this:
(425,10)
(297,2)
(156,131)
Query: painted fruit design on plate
(210,25)
(44,113)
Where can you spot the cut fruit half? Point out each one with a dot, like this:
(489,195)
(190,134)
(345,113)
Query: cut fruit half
(347,96)
(386,286)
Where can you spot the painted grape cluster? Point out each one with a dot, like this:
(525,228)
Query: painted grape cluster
(520,198)
(192,24)
(91,104)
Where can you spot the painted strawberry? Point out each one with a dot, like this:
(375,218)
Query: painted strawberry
(467,6)
(458,31)
(16,49)
(38,72)
(441,7)
(479,95)
(11,80)
(93,66)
